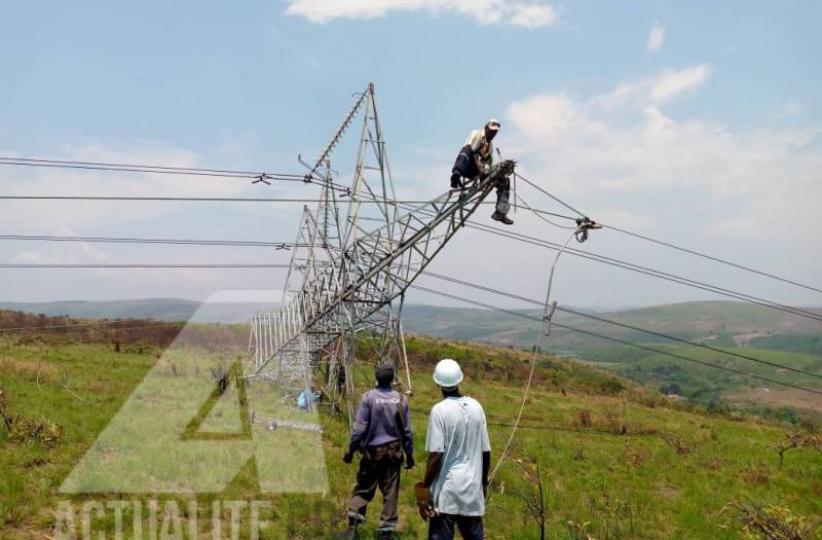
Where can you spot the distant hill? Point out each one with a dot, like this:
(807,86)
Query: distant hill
(162,309)
(718,323)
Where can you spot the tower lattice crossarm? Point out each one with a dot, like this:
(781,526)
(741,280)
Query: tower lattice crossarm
(370,273)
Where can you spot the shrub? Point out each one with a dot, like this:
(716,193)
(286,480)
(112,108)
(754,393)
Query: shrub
(678,443)
(797,440)
(771,522)
(42,430)
(584,418)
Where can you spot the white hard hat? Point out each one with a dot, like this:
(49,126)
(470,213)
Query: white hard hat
(493,124)
(447,374)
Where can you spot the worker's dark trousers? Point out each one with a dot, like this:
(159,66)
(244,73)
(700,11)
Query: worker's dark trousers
(464,165)
(442,527)
(379,467)
(503,195)
(466,168)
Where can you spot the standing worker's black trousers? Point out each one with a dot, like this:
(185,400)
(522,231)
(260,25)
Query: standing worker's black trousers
(379,468)
(442,527)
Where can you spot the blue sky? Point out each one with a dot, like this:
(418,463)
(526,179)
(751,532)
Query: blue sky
(689,142)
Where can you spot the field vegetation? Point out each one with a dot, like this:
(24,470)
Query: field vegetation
(597,456)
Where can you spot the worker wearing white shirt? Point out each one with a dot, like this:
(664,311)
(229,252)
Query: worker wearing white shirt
(452,496)
(475,160)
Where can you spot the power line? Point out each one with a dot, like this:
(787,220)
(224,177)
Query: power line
(540,214)
(623,264)
(687,359)
(492,230)
(617,340)
(136,265)
(371,198)
(549,194)
(130,240)
(671,245)
(221,199)
(686,342)
(308,178)
(641,269)
(667,276)
(621,324)
(713,258)
(153,169)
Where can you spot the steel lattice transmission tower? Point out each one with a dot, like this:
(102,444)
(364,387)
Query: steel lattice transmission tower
(358,253)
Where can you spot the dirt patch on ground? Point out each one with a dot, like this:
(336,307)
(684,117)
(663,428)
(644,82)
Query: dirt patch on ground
(668,491)
(779,397)
(743,339)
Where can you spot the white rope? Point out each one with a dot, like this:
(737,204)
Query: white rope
(534,357)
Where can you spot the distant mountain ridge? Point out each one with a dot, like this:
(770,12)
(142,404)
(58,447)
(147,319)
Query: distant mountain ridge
(721,322)
(163,309)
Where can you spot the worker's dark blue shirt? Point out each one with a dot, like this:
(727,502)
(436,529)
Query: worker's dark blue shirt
(381,413)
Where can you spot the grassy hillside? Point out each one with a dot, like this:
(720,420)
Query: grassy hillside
(615,460)
(754,331)
(723,323)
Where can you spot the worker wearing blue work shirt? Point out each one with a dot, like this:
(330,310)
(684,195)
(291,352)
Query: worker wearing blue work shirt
(381,434)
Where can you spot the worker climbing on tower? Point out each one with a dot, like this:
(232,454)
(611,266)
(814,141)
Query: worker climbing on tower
(381,434)
(474,162)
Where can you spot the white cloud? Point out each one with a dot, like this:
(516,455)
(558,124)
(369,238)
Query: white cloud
(672,83)
(655,91)
(485,12)
(620,149)
(656,38)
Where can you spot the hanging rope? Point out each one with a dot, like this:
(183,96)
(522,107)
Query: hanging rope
(548,313)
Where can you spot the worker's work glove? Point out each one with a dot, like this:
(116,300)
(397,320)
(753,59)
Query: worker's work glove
(409,462)
(424,501)
(486,170)
(348,457)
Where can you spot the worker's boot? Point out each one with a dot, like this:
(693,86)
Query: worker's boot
(350,532)
(502,218)
(387,535)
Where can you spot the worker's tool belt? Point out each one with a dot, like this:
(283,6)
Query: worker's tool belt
(390,451)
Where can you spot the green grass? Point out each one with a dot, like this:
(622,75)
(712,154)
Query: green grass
(668,476)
